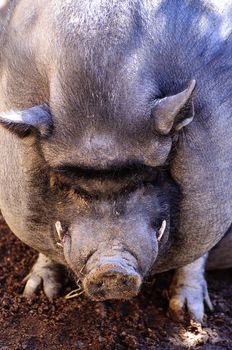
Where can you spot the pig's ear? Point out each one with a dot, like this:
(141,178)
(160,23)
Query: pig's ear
(35,120)
(167,111)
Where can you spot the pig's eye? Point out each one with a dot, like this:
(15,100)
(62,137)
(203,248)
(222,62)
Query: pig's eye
(154,225)
(60,182)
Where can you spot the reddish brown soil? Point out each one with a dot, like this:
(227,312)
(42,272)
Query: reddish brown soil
(142,323)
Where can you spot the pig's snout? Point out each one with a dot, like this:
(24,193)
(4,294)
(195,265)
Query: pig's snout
(113,278)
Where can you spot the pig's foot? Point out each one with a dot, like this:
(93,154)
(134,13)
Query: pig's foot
(189,290)
(46,274)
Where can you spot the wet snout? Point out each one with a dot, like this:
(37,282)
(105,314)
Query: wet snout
(114,277)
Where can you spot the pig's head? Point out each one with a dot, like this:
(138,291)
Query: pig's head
(113,227)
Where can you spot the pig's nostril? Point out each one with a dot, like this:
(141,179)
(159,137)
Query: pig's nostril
(125,282)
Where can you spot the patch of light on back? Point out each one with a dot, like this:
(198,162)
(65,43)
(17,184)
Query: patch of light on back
(73,20)
(226,29)
(3,3)
(223,8)
(204,24)
(93,17)
(221,5)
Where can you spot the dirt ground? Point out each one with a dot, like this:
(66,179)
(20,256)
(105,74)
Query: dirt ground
(142,323)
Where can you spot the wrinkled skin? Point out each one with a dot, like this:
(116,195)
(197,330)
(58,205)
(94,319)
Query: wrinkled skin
(101,71)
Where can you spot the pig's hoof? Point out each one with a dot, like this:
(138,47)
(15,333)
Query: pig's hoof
(45,274)
(190,298)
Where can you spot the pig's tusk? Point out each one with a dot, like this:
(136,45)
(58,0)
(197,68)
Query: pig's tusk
(162,230)
(59,231)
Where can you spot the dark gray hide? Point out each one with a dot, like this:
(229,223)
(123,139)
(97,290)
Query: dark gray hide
(105,69)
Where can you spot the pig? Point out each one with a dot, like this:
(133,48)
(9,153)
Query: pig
(115,142)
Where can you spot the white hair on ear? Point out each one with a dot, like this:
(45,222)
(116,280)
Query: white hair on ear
(34,118)
(12,116)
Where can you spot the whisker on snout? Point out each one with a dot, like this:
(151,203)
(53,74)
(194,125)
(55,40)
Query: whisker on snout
(82,269)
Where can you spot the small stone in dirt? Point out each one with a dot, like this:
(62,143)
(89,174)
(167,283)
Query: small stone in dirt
(101,309)
(101,339)
(80,345)
(30,343)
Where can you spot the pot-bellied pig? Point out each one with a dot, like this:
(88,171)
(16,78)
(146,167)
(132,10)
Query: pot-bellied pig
(96,99)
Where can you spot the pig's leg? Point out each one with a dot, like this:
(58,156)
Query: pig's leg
(189,290)
(45,273)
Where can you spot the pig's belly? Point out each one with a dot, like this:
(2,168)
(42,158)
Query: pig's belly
(220,257)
